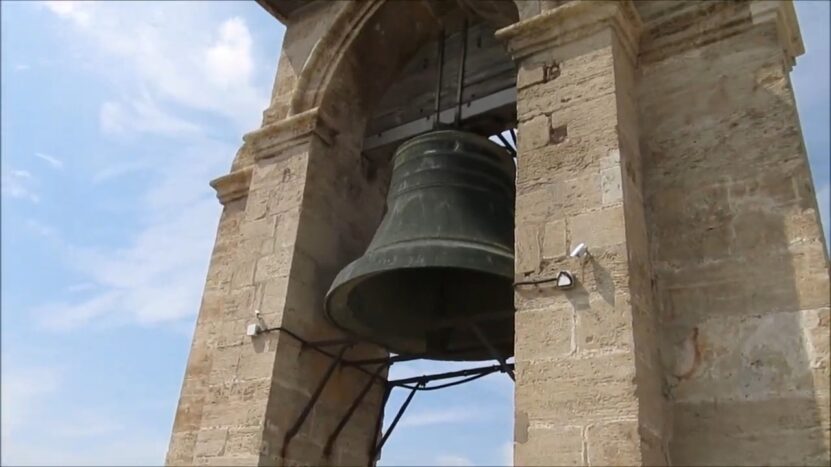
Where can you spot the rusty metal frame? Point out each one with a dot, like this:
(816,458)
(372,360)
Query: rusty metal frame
(415,384)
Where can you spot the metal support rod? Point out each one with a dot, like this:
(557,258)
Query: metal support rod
(390,360)
(461,84)
(436,122)
(333,342)
(348,415)
(495,353)
(314,345)
(373,452)
(513,137)
(398,417)
(448,375)
(313,400)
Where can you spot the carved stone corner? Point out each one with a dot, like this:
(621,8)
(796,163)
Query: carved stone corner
(784,14)
(232,186)
(289,132)
(573,21)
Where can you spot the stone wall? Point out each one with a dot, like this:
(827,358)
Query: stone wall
(589,382)
(737,248)
(662,134)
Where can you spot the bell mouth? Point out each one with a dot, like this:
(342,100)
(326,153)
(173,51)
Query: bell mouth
(422,301)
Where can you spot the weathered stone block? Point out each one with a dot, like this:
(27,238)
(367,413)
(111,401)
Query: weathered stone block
(550,445)
(546,333)
(740,357)
(255,365)
(572,158)
(258,228)
(614,443)
(605,324)
(243,441)
(598,228)
(181,448)
(530,74)
(210,442)
(558,200)
(589,388)
(274,265)
(243,274)
(580,80)
(800,447)
(554,239)
(610,183)
(527,248)
(534,133)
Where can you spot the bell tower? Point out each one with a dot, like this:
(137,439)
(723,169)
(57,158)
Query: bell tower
(666,295)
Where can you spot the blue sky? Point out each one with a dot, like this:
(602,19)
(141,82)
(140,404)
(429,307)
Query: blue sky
(114,118)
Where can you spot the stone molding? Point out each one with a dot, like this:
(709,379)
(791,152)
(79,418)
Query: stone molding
(295,130)
(785,16)
(695,24)
(322,62)
(570,22)
(232,186)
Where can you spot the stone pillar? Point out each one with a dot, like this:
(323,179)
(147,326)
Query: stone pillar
(231,191)
(286,231)
(741,266)
(588,381)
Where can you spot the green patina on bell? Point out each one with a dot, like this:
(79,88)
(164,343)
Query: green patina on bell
(442,259)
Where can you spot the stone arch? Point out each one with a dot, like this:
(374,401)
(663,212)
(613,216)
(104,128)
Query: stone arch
(339,65)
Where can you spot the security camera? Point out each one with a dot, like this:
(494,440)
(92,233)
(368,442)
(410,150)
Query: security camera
(579,251)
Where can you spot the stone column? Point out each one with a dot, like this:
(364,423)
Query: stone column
(588,382)
(231,191)
(741,266)
(293,229)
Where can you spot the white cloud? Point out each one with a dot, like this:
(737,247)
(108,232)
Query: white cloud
(442,416)
(85,423)
(142,116)
(17,184)
(29,397)
(24,388)
(135,449)
(507,454)
(229,60)
(142,48)
(40,228)
(167,81)
(156,276)
(454,460)
(115,170)
(53,161)
(77,12)
(80,287)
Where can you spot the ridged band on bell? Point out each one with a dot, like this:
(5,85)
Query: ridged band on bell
(442,258)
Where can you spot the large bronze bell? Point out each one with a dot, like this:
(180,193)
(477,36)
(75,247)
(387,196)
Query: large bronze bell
(436,280)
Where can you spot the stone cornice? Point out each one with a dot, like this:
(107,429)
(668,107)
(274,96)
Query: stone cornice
(573,21)
(232,186)
(692,24)
(785,16)
(271,139)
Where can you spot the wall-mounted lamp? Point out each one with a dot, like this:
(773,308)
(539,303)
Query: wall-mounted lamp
(565,280)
